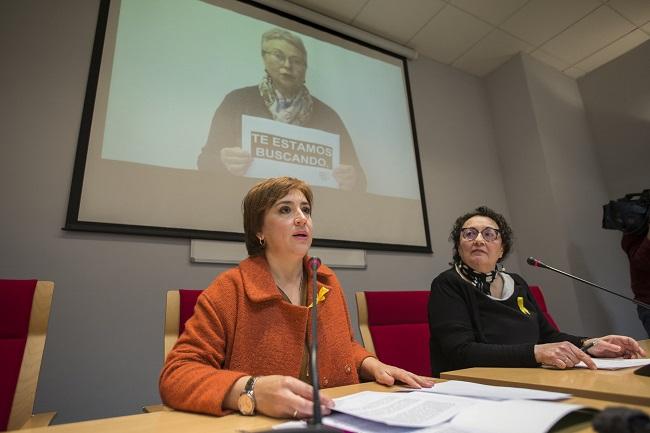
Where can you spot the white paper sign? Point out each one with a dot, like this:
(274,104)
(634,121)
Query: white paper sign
(281,149)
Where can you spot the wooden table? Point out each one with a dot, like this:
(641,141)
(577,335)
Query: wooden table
(173,421)
(617,386)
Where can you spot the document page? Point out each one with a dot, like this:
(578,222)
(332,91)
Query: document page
(490,392)
(416,409)
(616,363)
(512,416)
(351,423)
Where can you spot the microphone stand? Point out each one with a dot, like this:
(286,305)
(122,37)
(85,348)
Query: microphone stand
(316,423)
(539,264)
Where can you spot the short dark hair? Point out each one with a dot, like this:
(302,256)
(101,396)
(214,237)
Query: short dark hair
(504,230)
(259,199)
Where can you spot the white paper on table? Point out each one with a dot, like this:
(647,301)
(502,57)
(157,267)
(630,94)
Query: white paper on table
(351,423)
(490,392)
(282,149)
(616,363)
(512,416)
(290,424)
(486,416)
(414,409)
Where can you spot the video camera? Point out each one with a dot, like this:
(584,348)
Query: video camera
(629,214)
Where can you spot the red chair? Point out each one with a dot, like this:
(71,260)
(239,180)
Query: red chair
(394,326)
(539,298)
(24,313)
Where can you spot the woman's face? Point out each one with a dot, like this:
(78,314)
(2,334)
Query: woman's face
(287,228)
(479,254)
(285,64)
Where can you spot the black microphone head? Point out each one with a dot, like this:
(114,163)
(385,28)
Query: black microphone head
(621,420)
(533,262)
(314,263)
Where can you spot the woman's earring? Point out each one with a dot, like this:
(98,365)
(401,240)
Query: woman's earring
(501,267)
(262,242)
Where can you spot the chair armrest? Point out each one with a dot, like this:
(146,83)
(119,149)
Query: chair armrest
(39,420)
(156,408)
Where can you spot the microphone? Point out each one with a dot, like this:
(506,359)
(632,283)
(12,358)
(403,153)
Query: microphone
(621,420)
(316,423)
(539,264)
(643,371)
(314,264)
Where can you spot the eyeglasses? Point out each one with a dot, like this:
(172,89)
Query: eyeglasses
(489,234)
(280,57)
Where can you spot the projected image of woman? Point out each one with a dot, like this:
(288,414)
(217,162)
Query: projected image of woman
(246,346)
(282,96)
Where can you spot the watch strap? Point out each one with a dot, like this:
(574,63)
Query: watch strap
(250,383)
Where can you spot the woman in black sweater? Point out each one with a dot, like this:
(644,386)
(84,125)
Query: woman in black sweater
(482,317)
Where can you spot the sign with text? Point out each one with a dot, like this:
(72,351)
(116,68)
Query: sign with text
(281,149)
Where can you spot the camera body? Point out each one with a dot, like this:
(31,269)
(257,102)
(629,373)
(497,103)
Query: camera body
(629,214)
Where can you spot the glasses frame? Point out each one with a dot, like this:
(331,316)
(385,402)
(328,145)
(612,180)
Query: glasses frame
(468,229)
(281,58)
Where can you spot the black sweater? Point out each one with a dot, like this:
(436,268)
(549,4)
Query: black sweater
(469,329)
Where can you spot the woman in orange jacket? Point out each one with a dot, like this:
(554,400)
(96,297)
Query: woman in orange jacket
(246,347)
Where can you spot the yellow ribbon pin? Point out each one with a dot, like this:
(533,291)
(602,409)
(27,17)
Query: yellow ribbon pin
(321,295)
(522,307)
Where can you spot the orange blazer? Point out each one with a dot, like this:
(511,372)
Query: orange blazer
(243,326)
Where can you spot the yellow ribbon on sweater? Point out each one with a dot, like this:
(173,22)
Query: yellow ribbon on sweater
(522,307)
(321,296)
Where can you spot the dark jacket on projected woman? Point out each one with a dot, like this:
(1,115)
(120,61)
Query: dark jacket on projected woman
(226,127)
(470,329)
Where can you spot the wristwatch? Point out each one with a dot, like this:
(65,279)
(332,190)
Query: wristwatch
(588,344)
(246,400)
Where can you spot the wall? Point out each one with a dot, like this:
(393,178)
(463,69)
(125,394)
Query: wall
(617,98)
(554,177)
(104,346)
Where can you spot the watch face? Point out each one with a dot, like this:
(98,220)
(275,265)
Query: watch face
(246,404)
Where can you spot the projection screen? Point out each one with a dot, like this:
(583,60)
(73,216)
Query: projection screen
(190,103)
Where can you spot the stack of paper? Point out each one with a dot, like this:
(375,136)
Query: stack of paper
(451,407)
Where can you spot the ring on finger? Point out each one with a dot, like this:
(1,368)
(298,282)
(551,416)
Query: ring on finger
(295,414)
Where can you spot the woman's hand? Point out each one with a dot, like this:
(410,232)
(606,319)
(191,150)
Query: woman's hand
(372,368)
(236,160)
(614,346)
(282,397)
(561,355)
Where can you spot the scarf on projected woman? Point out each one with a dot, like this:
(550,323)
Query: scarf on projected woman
(296,110)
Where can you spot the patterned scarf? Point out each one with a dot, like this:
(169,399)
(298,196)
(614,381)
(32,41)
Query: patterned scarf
(479,279)
(296,111)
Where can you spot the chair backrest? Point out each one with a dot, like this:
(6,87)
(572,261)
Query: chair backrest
(394,326)
(539,298)
(179,308)
(24,314)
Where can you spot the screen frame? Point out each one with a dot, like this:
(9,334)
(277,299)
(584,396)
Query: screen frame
(73,223)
